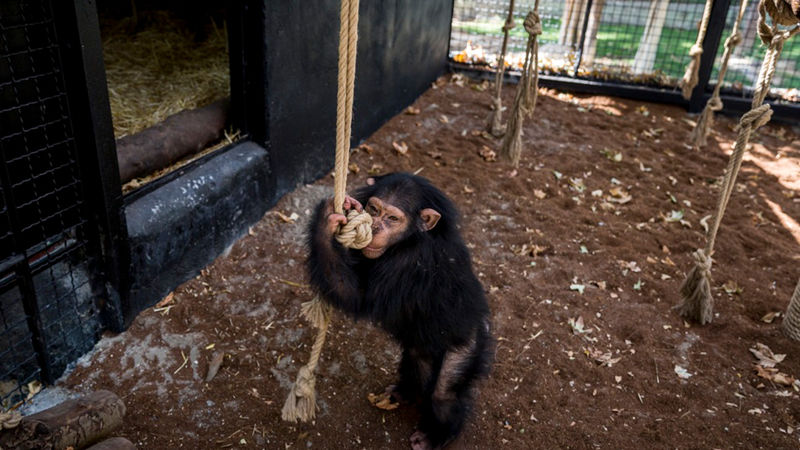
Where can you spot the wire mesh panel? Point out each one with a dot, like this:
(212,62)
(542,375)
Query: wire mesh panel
(746,59)
(643,42)
(48,306)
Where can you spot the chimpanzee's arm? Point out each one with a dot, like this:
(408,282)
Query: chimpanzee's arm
(331,267)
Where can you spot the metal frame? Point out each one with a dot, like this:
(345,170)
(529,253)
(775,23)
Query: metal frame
(78,26)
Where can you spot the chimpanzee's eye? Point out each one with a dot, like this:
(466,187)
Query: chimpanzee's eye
(393,218)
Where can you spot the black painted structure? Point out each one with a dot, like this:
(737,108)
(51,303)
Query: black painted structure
(112,255)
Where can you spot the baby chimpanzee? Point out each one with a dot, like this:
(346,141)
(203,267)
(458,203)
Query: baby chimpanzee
(415,280)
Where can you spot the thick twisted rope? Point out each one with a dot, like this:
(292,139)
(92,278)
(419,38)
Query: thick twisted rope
(525,99)
(690,78)
(301,404)
(495,117)
(791,321)
(696,290)
(706,119)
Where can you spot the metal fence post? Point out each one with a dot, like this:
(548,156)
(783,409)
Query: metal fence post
(582,41)
(716,26)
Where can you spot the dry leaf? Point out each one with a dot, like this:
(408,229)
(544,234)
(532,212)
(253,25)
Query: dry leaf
(166,300)
(287,219)
(602,358)
(770,317)
(411,111)
(577,326)
(487,154)
(382,401)
(444,119)
(354,168)
(765,356)
(214,365)
(434,154)
(376,169)
(402,147)
(366,147)
(732,288)
(540,194)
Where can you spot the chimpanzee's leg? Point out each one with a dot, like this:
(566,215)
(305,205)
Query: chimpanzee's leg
(414,373)
(451,400)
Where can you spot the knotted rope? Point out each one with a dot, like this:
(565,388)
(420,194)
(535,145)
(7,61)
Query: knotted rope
(706,119)
(791,321)
(695,290)
(495,117)
(301,404)
(525,99)
(690,78)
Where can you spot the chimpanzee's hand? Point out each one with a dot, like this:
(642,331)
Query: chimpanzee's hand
(333,220)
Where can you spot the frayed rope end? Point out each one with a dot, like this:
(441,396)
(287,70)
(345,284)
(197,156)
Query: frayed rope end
(301,404)
(698,304)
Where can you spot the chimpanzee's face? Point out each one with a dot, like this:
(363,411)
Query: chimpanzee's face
(389,226)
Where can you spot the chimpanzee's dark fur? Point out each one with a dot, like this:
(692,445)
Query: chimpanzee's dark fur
(424,293)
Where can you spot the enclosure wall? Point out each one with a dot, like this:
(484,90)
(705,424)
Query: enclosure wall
(402,48)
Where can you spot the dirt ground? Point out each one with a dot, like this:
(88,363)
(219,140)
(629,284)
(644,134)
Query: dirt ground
(557,242)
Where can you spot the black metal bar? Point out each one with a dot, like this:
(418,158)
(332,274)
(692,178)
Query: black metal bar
(584,26)
(716,26)
(78,27)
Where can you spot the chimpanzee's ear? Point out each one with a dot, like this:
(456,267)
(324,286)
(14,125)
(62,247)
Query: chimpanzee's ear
(430,217)
(370,181)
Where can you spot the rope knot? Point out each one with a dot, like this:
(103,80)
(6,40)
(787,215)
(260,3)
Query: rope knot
(757,117)
(702,261)
(357,232)
(533,24)
(696,50)
(509,25)
(304,386)
(733,40)
(714,103)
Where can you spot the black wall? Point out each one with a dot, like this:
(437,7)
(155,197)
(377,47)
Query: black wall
(402,48)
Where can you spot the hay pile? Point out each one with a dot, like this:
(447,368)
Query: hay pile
(156,68)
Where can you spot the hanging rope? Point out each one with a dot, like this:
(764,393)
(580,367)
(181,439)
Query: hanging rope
(525,99)
(706,119)
(696,289)
(301,404)
(690,78)
(791,321)
(495,117)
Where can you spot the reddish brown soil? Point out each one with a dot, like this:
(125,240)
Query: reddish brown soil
(544,391)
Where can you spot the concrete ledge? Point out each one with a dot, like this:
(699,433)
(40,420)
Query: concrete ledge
(179,228)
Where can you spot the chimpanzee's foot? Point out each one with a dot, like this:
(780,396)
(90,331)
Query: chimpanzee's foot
(419,441)
(389,399)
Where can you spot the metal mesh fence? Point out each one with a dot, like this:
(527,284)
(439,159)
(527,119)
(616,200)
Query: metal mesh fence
(48,308)
(631,41)
(746,59)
